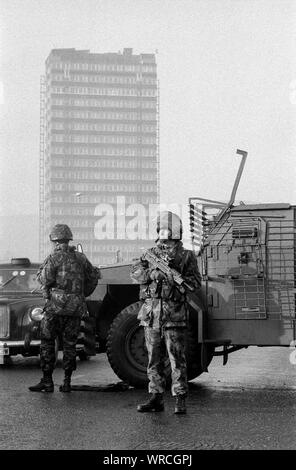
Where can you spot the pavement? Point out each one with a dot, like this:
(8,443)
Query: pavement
(249,404)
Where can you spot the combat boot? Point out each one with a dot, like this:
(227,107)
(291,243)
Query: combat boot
(45,385)
(180,407)
(66,387)
(155,403)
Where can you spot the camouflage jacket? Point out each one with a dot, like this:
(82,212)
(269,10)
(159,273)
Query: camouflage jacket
(66,278)
(164,305)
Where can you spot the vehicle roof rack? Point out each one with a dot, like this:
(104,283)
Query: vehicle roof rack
(21,261)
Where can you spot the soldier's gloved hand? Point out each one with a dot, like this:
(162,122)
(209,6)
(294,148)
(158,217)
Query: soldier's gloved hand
(156,275)
(170,278)
(85,315)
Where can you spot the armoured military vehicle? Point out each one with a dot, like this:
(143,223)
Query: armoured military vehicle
(246,255)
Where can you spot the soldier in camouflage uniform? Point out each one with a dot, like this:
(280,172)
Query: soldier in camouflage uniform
(66,278)
(163,313)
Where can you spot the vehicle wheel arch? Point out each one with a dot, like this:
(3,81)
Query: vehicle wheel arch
(116,298)
(126,349)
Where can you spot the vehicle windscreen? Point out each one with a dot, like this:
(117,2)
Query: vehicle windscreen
(18,280)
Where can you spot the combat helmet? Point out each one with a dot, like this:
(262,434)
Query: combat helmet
(169,226)
(60,232)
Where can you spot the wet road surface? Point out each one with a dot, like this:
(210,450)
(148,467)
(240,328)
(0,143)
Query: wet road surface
(248,404)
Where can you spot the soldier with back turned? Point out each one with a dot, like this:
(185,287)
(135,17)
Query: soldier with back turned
(66,277)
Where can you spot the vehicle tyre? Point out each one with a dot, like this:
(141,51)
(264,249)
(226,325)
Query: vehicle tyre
(193,355)
(126,348)
(127,354)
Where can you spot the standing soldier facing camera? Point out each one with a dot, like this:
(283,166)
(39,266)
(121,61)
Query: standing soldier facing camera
(66,277)
(164,314)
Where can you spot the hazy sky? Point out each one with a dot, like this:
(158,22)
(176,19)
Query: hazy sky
(227,72)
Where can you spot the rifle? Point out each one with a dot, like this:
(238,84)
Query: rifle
(183,287)
(193,300)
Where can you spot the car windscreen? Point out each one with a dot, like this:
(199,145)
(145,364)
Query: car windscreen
(18,280)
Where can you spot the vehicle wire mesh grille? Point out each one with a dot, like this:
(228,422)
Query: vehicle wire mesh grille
(4,322)
(281,270)
(249,298)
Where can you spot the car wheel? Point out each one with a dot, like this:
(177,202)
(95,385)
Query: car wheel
(194,349)
(126,348)
(127,354)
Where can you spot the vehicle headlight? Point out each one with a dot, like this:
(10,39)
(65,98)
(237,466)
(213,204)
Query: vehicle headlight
(37,314)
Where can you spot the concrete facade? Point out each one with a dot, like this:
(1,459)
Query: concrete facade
(99,142)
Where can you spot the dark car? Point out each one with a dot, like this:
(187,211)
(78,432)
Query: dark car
(21,311)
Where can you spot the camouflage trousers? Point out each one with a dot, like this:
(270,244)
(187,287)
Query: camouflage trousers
(172,341)
(61,326)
